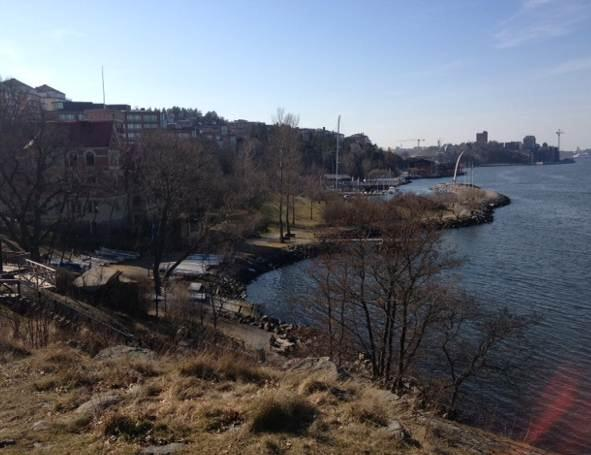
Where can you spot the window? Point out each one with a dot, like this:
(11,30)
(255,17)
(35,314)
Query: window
(89,158)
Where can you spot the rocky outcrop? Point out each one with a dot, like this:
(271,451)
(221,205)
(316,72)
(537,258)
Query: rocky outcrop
(483,215)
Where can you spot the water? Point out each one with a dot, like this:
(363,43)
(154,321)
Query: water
(535,256)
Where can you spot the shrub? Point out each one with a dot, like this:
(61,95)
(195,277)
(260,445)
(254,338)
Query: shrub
(282,413)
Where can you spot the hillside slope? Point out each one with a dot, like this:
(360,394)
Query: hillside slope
(130,400)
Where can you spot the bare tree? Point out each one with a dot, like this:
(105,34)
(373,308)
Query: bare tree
(34,183)
(475,343)
(286,162)
(385,290)
(312,188)
(178,179)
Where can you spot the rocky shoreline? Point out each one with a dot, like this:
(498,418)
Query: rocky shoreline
(484,215)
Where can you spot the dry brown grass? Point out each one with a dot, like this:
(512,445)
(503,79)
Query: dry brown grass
(126,427)
(370,409)
(226,368)
(282,412)
(218,419)
(238,410)
(9,351)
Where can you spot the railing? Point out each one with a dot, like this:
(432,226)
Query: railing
(38,275)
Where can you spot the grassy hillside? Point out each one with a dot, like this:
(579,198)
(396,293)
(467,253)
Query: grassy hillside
(128,400)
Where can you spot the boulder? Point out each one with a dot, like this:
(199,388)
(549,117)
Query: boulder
(321,365)
(98,402)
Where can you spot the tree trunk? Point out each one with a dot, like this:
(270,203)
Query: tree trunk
(287,225)
(281,239)
(293,210)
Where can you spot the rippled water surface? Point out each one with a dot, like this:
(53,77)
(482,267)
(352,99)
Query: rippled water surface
(536,255)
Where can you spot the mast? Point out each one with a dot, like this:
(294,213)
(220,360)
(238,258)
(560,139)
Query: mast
(103,79)
(336,180)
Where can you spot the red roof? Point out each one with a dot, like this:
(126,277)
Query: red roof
(91,134)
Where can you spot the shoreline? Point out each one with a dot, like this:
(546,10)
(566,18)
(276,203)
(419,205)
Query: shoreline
(257,260)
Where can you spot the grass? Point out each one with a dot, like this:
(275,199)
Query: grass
(282,413)
(245,409)
(369,409)
(226,368)
(10,351)
(219,419)
(126,427)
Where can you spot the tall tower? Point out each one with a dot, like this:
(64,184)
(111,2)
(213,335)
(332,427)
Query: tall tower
(559,133)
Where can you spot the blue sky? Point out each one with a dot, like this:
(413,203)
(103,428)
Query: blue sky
(394,70)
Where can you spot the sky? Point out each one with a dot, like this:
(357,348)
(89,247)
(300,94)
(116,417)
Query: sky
(395,70)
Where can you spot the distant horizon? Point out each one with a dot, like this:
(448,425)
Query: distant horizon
(400,146)
(393,71)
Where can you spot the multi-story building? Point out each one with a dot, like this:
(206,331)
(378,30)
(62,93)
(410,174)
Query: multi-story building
(51,99)
(48,98)
(94,164)
(137,121)
(482,138)
(74,111)
(529,143)
(513,146)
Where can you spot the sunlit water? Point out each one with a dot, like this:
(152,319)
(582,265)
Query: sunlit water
(535,256)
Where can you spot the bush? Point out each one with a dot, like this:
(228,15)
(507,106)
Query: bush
(282,413)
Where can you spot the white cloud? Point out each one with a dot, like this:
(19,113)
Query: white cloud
(539,20)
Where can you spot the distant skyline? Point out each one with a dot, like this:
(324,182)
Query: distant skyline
(394,70)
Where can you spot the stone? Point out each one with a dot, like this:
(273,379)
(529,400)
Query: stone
(121,351)
(316,365)
(164,450)
(98,402)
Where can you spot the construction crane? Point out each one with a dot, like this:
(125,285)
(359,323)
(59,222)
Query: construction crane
(559,133)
